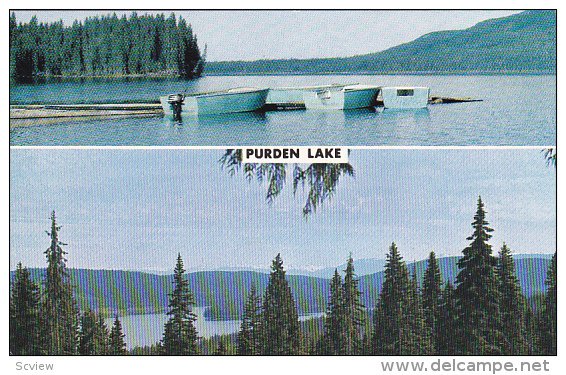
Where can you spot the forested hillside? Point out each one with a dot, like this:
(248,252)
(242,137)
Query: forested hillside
(521,43)
(105,46)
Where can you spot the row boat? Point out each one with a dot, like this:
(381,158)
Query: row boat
(294,95)
(347,97)
(241,99)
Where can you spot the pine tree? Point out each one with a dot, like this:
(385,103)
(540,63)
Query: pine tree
(354,314)
(512,305)
(415,336)
(335,332)
(447,324)
(282,333)
(249,336)
(93,336)
(432,290)
(389,318)
(116,343)
(25,337)
(59,309)
(477,293)
(221,349)
(180,336)
(548,336)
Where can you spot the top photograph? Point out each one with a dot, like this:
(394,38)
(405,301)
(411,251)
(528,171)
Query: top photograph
(283,78)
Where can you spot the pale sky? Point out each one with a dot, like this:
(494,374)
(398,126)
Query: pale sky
(136,209)
(252,35)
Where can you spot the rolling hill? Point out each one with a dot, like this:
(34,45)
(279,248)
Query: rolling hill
(522,43)
(224,292)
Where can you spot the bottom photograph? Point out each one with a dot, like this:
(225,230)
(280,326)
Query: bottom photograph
(193,252)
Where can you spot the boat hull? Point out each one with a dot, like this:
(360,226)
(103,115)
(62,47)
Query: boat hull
(218,103)
(294,95)
(341,99)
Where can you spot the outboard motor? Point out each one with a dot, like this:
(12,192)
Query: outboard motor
(176,100)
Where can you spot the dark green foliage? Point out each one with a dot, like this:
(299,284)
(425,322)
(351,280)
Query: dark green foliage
(520,43)
(116,343)
(415,336)
(250,334)
(93,336)
(105,45)
(548,314)
(221,349)
(282,334)
(512,305)
(354,311)
(180,336)
(25,337)
(477,294)
(447,324)
(390,319)
(432,294)
(322,178)
(59,310)
(335,331)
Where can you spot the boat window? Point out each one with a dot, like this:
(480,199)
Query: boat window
(405,92)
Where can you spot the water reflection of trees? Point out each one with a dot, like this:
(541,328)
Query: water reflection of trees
(321,180)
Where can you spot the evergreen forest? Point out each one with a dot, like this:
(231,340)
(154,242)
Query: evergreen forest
(484,312)
(106,46)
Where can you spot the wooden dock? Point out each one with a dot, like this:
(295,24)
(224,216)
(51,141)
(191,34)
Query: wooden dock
(23,115)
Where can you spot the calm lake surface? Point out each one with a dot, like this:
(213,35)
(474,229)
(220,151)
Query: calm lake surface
(516,111)
(147,329)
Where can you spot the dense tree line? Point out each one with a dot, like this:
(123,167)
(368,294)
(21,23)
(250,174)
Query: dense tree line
(484,313)
(105,46)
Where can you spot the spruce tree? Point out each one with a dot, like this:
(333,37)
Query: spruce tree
(335,332)
(93,336)
(249,336)
(415,337)
(59,309)
(389,317)
(447,324)
(180,336)
(512,305)
(282,332)
(25,335)
(116,343)
(432,291)
(221,349)
(477,294)
(354,314)
(548,337)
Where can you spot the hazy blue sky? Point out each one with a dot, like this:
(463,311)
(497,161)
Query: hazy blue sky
(249,35)
(129,209)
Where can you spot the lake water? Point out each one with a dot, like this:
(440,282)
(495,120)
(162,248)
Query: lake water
(515,111)
(147,329)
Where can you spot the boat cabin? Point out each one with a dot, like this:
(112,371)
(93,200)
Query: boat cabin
(405,97)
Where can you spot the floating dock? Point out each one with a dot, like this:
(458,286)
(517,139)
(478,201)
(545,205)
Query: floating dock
(23,115)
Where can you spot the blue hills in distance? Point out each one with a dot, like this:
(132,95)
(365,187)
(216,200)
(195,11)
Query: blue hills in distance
(224,292)
(522,43)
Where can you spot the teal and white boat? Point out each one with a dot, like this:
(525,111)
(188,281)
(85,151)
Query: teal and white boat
(340,98)
(294,95)
(241,99)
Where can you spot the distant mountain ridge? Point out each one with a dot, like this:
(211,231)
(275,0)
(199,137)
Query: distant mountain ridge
(224,292)
(522,43)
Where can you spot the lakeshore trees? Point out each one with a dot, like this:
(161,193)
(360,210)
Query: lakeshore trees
(105,45)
